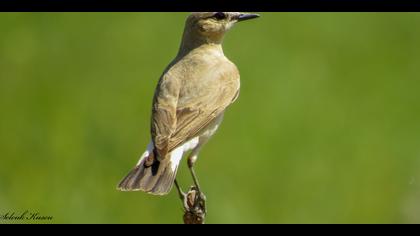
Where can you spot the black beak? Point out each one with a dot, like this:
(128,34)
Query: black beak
(247,16)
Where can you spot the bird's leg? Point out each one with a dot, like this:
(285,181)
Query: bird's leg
(199,197)
(180,192)
(191,161)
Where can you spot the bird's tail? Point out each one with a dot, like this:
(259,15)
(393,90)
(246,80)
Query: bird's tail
(151,175)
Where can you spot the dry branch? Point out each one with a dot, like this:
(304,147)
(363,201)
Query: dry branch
(194,207)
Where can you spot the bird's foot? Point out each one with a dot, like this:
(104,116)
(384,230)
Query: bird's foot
(181,194)
(195,206)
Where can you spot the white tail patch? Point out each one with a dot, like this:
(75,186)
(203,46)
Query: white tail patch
(147,152)
(176,155)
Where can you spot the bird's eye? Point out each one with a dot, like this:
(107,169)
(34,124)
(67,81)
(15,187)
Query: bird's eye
(219,15)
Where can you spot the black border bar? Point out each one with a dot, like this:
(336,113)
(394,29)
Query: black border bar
(209,5)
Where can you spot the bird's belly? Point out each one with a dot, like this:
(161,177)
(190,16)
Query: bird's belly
(190,145)
(204,135)
(211,128)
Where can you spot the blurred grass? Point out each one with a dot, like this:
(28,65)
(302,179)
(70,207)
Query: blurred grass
(326,129)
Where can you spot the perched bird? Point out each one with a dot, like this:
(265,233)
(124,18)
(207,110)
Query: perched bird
(189,102)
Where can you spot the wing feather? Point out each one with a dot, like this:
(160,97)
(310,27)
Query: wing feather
(174,123)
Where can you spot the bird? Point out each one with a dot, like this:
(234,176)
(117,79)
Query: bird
(192,94)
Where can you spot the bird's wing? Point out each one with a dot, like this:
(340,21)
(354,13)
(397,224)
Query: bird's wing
(175,122)
(164,114)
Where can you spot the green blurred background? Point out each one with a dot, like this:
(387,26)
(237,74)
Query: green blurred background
(326,130)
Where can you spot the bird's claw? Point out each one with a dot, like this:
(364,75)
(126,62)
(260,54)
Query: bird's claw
(195,206)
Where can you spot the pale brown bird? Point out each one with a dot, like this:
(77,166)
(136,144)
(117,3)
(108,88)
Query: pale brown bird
(189,102)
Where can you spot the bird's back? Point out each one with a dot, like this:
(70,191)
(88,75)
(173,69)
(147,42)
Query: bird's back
(204,75)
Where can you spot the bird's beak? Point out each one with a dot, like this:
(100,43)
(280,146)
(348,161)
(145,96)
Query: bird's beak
(247,16)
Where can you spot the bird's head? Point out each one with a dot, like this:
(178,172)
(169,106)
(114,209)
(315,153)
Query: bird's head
(213,25)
